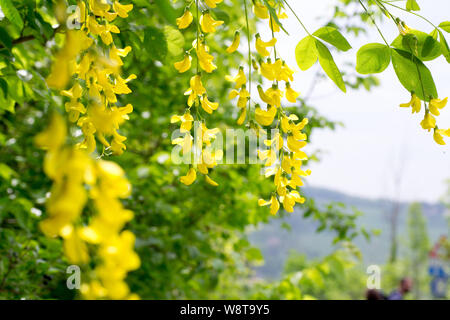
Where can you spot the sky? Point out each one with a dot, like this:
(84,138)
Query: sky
(381,142)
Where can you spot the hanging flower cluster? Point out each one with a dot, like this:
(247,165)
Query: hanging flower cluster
(432,110)
(91,57)
(76,178)
(204,158)
(284,158)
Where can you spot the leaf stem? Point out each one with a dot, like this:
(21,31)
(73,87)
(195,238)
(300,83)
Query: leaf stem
(373,21)
(301,23)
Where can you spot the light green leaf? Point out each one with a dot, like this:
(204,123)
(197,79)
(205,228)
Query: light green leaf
(413,74)
(175,40)
(421,44)
(333,37)
(444,46)
(306,53)
(11,13)
(373,58)
(445,26)
(412,5)
(6,172)
(329,66)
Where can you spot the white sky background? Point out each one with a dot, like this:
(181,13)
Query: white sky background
(379,137)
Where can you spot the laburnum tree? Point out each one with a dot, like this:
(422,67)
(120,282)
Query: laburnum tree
(91,91)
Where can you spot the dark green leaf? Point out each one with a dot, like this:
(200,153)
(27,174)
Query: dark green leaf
(155,43)
(421,44)
(413,74)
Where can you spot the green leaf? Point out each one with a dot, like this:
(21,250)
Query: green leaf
(445,26)
(444,46)
(174,39)
(306,53)
(166,10)
(412,5)
(4,87)
(421,44)
(329,66)
(155,43)
(11,13)
(412,73)
(373,58)
(6,172)
(5,39)
(274,16)
(333,37)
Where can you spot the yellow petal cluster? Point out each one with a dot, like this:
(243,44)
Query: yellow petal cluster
(432,111)
(76,178)
(96,70)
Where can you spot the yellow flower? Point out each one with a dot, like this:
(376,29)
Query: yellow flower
(283,72)
(274,94)
(185,143)
(99,7)
(74,247)
(268,70)
(242,116)
(436,104)
(205,59)
(106,33)
(207,105)
(189,178)
(415,103)
(428,122)
(260,10)
(265,118)
(208,24)
(244,96)
(262,45)
(212,3)
(186,121)
(438,135)
(240,78)
(115,54)
(274,204)
(122,10)
(183,65)
(185,20)
(291,94)
(54,136)
(210,181)
(235,44)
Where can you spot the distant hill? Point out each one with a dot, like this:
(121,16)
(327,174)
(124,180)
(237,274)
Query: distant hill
(275,241)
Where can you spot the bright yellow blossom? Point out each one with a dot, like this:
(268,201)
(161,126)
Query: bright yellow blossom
(208,24)
(428,122)
(415,103)
(183,65)
(185,20)
(262,45)
(437,104)
(189,178)
(235,44)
